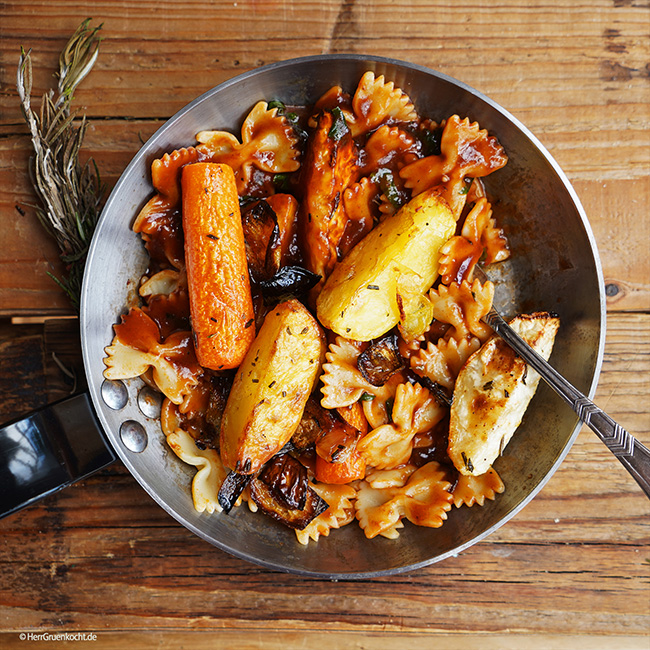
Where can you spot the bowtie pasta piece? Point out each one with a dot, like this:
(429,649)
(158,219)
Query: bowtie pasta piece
(441,361)
(424,500)
(210,470)
(376,101)
(461,253)
(175,368)
(268,143)
(163,283)
(466,151)
(389,147)
(339,514)
(343,384)
(415,410)
(476,489)
(462,306)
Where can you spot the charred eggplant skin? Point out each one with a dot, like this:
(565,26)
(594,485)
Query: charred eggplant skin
(267,501)
(232,487)
(379,361)
(261,233)
(289,281)
(287,479)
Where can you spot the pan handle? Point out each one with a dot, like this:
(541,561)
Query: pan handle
(48,450)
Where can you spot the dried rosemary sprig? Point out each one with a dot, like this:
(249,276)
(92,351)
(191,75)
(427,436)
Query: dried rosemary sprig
(70,193)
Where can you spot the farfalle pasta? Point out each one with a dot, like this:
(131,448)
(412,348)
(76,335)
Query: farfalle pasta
(463,306)
(268,143)
(414,411)
(479,238)
(372,418)
(441,361)
(424,499)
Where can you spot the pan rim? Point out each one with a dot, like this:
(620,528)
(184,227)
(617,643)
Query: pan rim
(149,148)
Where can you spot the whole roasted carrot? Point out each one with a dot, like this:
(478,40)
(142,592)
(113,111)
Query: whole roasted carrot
(217,274)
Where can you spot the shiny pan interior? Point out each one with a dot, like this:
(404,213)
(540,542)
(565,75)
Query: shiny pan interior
(554,267)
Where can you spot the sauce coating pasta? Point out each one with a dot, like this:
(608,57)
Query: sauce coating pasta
(369,438)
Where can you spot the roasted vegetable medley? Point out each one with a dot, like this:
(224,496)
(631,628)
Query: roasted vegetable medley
(311,315)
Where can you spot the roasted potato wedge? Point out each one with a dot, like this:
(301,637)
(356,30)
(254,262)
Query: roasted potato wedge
(383,276)
(271,387)
(492,392)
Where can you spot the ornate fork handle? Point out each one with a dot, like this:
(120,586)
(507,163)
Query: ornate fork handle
(634,456)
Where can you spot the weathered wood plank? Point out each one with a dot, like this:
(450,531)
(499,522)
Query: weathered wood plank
(614,207)
(28,253)
(166,578)
(575,73)
(103,554)
(606,47)
(279,638)
(22,380)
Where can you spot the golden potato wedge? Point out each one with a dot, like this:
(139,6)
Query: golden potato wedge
(271,387)
(380,280)
(492,393)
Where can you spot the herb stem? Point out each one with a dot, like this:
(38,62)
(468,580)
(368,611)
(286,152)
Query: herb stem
(69,193)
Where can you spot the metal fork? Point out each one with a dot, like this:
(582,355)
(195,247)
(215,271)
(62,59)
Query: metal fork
(634,456)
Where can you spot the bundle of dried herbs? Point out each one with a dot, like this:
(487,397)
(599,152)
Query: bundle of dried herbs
(70,193)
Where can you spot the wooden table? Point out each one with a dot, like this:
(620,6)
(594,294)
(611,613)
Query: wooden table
(571,570)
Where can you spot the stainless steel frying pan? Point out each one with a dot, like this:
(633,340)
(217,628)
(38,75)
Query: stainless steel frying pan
(554,266)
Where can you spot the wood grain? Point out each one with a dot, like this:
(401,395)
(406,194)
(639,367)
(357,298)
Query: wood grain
(280,639)
(572,569)
(102,555)
(575,73)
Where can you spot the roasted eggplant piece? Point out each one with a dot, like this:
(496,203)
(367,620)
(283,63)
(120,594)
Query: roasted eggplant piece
(220,386)
(337,459)
(261,233)
(336,440)
(231,488)
(282,491)
(287,479)
(289,281)
(314,421)
(378,362)
(441,394)
(432,445)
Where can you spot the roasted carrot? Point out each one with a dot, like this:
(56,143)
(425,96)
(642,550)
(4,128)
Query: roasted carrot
(354,416)
(221,306)
(337,458)
(353,467)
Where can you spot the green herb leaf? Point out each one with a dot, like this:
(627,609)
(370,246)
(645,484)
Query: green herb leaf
(274,103)
(465,188)
(339,126)
(245,199)
(366,397)
(281,182)
(386,181)
(389,408)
